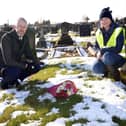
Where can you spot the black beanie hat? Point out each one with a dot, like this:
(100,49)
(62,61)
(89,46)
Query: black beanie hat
(106,13)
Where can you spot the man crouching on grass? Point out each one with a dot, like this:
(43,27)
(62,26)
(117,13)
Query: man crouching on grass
(16,58)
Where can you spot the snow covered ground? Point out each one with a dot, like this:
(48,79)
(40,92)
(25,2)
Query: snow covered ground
(111,95)
(102,99)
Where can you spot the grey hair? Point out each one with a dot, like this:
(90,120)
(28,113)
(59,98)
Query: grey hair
(21,19)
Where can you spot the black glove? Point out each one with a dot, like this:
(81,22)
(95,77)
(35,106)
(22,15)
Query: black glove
(33,66)
(28,67)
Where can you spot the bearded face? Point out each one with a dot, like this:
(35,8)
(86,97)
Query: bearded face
(21,28)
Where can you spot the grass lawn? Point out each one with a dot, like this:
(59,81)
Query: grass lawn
(40,109)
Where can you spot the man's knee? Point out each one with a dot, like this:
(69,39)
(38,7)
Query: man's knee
(11,72)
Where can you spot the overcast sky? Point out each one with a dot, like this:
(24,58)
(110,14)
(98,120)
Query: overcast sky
(57,10)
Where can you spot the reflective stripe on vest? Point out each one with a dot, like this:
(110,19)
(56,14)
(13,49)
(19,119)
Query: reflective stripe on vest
(112,40)
(124,33)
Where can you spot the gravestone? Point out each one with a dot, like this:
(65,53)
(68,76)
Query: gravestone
(85,29)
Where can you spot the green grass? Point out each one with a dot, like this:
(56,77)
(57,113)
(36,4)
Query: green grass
(65,72)
(6,97)
(45,73)
(17,120)
(82,121)
(42,108)
(119,121)
(9,110)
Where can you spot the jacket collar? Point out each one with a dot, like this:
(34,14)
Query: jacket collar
(15,35)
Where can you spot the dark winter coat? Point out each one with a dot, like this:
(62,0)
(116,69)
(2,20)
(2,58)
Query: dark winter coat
(13,52)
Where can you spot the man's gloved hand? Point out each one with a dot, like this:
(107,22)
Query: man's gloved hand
(28,67)
(32,66)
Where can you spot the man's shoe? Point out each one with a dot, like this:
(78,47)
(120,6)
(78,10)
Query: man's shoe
(4,85)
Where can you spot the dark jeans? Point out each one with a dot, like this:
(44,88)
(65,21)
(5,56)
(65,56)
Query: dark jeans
(11,74)
(108,59)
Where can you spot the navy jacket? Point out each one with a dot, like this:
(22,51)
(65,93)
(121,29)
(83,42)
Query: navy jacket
(106,36)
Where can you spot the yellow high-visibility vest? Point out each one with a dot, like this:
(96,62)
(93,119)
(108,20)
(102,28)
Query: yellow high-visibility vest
(112,40)
(124,33)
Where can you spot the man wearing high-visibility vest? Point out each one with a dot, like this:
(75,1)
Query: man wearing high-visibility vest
(109,45)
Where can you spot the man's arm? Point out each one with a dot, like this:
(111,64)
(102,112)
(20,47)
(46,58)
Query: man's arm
(7,53)
(29,53)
